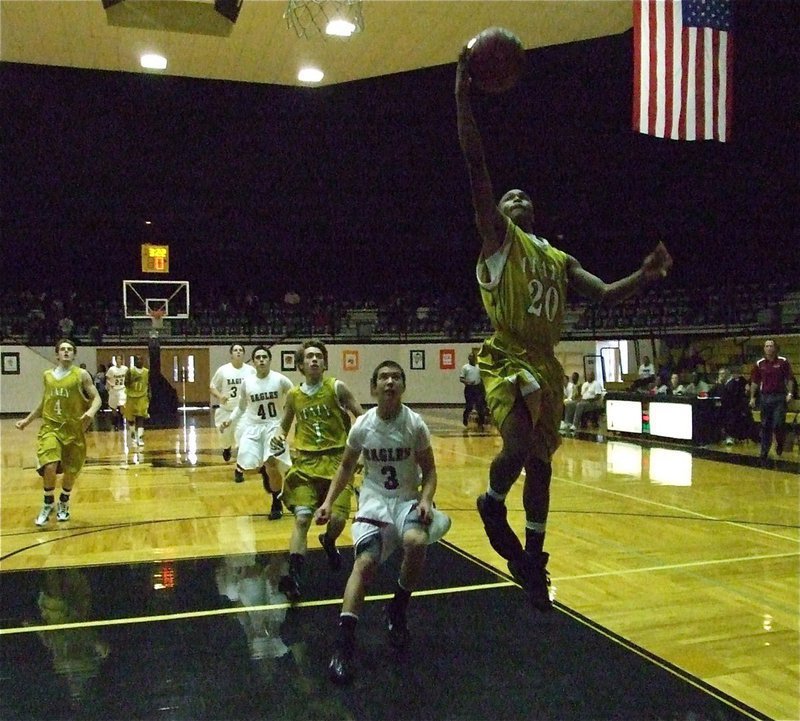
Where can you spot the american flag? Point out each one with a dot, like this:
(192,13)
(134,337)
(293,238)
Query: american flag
(683,69)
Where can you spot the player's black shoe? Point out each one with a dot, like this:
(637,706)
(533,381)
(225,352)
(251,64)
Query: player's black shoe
(276,511)
(226,454)
(238,476)
(290,586)
(334,557)
(340,668)
(531,573)
(396,625)
(501,537)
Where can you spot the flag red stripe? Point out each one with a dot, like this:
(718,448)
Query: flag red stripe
(700,86)
(669,31)
(685,58)
(652,45)
(637,63)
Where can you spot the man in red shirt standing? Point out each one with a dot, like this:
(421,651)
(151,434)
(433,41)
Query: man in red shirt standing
(772,377)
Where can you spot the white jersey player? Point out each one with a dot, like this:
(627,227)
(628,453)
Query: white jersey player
(115,382)
(224,388)
(257,419)
(395,507)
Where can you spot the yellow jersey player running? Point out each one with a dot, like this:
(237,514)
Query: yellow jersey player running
(523,283)
(69,403)
(318,407)
(137,405)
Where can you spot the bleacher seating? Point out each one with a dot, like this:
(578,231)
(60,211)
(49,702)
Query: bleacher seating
(658,313)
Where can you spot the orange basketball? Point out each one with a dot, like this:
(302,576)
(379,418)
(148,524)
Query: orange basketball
(496,60)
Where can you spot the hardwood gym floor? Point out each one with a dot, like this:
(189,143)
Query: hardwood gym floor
(675,570)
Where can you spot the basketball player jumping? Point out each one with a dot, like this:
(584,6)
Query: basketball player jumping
(523,283)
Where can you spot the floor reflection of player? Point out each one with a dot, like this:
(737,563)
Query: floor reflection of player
(77,653)
(244,580)
(280,647)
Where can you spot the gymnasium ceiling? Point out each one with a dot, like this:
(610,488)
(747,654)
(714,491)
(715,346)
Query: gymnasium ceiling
(260,48)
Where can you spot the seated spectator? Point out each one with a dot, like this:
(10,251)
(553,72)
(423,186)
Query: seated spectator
(674,388)
(591,400)
(646,369)
(697,386)
(570,397)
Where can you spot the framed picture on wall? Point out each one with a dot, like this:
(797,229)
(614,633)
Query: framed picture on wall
(350,361)
(447,359)
(417,360)
(287,360)
(10,364)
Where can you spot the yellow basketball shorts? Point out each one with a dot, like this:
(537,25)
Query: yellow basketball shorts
(136,408)
(504,369)
(308,480)
(65,445)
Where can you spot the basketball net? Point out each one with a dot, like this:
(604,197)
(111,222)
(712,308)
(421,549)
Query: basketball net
(310,18)
(157,317)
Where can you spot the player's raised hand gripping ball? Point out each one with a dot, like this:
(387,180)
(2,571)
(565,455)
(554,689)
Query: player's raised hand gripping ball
(496,60)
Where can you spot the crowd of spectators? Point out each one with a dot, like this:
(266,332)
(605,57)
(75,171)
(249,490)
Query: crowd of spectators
(662,310)
(35,318)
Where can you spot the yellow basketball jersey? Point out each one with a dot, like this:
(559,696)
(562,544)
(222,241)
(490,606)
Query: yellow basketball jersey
(64,401)
(320,422)
(525,304)
(136,382)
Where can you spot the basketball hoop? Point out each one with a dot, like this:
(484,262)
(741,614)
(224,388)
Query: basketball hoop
(157,317)
(329,18)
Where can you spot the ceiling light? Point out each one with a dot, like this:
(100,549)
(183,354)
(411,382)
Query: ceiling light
(310,75)
(340,28)
(151,61)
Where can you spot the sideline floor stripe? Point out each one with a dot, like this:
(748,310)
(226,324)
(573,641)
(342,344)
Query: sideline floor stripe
(240,609)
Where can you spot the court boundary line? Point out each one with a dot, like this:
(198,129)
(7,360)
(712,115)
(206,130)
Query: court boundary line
(640,651)
(188,615)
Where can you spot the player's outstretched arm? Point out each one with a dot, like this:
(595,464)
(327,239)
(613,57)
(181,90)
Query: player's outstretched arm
(654,268)
(491,224)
